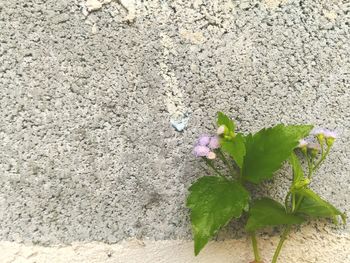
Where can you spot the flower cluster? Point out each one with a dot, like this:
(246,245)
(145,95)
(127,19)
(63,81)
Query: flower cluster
(324,132)
(322,135)
(205,146)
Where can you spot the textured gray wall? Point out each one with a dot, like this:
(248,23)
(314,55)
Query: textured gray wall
(87,146)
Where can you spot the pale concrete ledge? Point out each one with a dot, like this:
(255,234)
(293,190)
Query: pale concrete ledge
(311,247)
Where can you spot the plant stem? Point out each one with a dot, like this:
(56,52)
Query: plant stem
(223,158)
(210,164)
(286,200)
(280,244)
(255,247)
(309,165)
(295,207)
(298,204)
(324,155)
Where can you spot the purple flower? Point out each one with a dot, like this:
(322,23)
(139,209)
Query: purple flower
(214,143)
(314,146)
(325,132)
(203,140)
(330,134)
(322,134)
(201,151)
(317,131)
(303,143)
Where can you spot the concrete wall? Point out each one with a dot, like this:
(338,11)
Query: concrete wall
(100,105)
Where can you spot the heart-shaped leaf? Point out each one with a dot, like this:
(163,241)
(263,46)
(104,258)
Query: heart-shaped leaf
(267,212)
(314,206)
(214,201)
(235,148)
(269,148)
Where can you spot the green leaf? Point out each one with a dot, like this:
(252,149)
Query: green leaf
(235,148)
(298,173)
(299,181)
(214,201)
(267,212)
(314,206)
(269,148)
(225,120)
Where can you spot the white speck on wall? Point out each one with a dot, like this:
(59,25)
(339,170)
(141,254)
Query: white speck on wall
(179,115)
(274,3)
(193,37)
(180,122)
(94,29)
(130,6)
(331,15)
(93,5)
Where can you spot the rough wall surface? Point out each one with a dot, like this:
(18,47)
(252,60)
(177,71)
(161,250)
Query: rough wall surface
(91,94)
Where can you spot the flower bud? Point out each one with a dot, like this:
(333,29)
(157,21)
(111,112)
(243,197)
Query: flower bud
(324,135)
(303,145)
(211,155)
(314,149)
(330,141)
(221,130)
(330,137)
(301,183)
(320,138)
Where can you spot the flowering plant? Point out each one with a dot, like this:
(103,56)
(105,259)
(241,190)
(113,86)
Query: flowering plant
(250,159)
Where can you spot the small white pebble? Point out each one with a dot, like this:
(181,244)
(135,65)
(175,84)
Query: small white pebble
(94,29)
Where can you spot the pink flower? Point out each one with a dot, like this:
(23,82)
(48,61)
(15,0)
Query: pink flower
(214,143)
(325,132)
(203,140)
(303,143)
(317,131)
(314,146)
(201,151)
(330,134)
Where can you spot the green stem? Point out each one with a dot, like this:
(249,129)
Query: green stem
(280,243)
(255,247)
(298,204)
(286,200)
(317,165)
(309,164)
(226,162)
(210,164)
(295,207)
